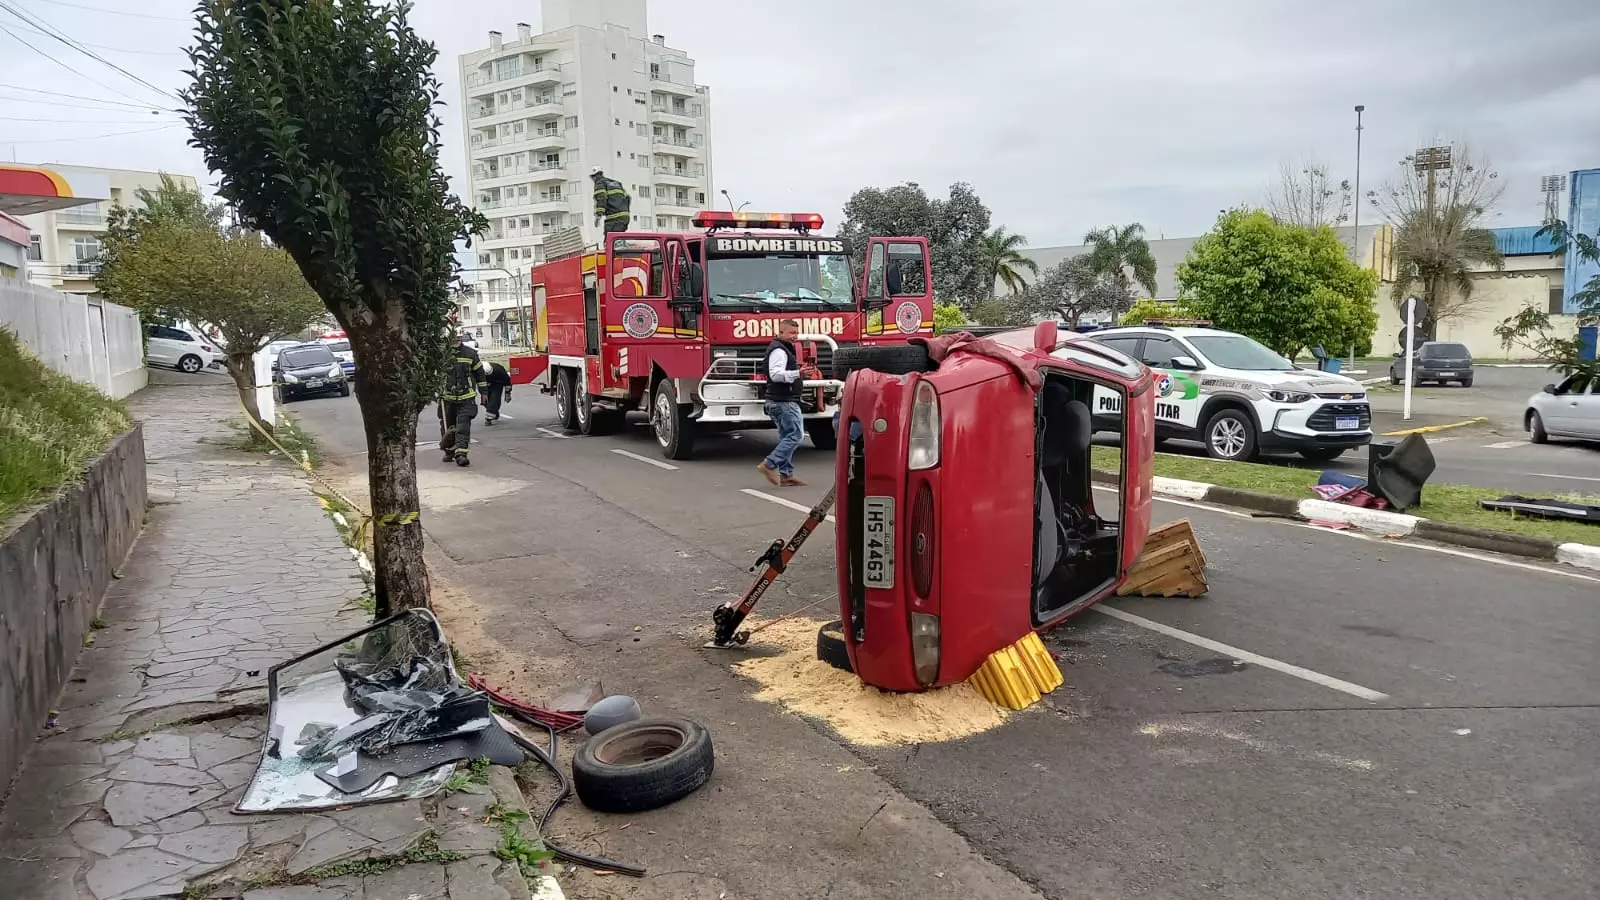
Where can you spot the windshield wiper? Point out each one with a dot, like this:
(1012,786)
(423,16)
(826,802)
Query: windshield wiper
(755,297)
(835,304)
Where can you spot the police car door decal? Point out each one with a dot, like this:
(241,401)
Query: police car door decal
(1177,399)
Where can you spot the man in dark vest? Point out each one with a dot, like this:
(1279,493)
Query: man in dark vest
(611,202)
(458,401)
(496,387)
(784,377)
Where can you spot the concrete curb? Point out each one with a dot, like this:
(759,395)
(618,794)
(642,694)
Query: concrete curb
(1376,521)
(1430,429)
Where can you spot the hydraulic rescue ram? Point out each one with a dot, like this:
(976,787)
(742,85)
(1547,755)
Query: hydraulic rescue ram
(729,616)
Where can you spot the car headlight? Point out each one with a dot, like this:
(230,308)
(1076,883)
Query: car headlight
(1288,396)
(924,439)
(290,379)
(335,371)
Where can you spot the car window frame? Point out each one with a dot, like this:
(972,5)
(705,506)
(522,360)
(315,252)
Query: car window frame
(1183,350)
(334,360)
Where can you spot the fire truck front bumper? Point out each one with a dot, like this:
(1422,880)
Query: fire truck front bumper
(820,401)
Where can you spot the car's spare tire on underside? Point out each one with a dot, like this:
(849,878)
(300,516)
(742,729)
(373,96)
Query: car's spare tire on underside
(896,359)
(831,647)
(642,765)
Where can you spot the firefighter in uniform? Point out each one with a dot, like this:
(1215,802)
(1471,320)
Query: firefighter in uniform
(458,406)
(496,387)
(611,202)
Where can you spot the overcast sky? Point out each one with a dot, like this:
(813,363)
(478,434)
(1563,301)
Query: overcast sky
(1063,115)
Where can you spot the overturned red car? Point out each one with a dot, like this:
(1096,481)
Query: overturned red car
(966,516)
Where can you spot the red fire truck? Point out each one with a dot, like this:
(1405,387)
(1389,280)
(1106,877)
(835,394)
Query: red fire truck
(676,325)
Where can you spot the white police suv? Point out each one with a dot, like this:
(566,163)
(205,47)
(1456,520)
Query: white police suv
(1237,397)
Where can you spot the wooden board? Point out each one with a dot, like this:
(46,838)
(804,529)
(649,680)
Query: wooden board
(1170,565)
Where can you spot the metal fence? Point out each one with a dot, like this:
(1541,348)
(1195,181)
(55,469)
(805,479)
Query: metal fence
(87,340)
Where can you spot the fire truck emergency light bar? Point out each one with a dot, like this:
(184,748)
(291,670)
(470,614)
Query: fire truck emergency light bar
(714,219)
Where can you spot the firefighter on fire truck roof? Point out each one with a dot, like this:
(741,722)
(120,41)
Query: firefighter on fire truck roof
(611,202)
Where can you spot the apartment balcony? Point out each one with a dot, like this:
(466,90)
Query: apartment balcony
(686,175)
(530,108)
(531,206)
(667,86)
(88,219)
(483,84)
(689,146)
(676,207)
(690,116)
(541,174)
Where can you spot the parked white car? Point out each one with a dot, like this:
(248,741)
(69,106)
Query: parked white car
(342,352)
(1570,409)
(467,339)
(177,349)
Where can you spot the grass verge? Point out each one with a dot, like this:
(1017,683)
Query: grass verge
(50,427)
(1453,503)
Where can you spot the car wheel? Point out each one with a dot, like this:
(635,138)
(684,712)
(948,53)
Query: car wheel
(1466,382)
(1322,454)
(1536,426)
(831,647)
(1231,435)
(566,414)
(896,359)
(190,364)
(642,765)
(822,434)
(344,388)
(1394,380)
(670,422)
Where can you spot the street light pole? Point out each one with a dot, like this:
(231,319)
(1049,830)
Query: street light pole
(1355,242)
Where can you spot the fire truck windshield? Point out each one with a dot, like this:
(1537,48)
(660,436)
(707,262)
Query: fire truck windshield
(780,281)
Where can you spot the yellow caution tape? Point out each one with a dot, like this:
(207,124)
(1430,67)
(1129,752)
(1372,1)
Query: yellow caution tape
(1017,676)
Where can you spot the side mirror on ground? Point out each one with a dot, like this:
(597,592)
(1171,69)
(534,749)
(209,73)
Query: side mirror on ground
(1185,362)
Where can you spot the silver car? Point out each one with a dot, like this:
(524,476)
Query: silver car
(1570,409)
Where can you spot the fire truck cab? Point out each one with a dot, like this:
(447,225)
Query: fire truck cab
(677,325)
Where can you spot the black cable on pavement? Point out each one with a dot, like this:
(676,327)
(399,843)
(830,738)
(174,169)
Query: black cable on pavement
(548,758)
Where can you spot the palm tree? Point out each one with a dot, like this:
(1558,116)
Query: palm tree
(1002,260)
(1113,251)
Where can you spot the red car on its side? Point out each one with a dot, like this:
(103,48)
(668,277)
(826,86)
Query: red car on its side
(966,516)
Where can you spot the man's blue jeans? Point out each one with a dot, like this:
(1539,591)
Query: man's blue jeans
(791,431)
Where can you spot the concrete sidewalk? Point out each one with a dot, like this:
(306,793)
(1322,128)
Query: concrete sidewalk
(159,730)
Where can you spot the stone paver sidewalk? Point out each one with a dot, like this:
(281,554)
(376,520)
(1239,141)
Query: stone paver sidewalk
(160,728)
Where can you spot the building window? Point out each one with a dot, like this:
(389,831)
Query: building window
(35,248)
(85,249)
(572,122)
(644,162)
(1556,298)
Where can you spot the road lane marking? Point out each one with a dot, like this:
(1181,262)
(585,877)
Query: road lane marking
(1574,477)
(1505,445)
(1265,662)
(553,433)
(1429,429)
(797,507)
(644,459)
(507,416)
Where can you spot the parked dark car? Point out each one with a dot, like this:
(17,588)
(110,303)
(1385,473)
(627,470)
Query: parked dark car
(1437,361)
(308,370)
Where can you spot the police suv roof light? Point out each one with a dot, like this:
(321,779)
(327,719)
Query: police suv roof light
(714,219)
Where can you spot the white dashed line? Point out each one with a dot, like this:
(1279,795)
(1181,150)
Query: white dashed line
(644,459)
(1573,477)
(797,507)
(1265,662)
(507,416)
(1505,445)
(553,433)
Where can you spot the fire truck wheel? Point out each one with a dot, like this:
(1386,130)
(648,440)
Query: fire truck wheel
(831,647)
(822,434)
(592,419)
(898,359)
(670,422)
(565,414)
(642,765)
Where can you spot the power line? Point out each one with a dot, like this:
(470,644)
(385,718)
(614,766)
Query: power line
(18,87)
(56,34)
(113,49)
(91,137)
(24,42)
(57,104)
(114,12)
(78,121)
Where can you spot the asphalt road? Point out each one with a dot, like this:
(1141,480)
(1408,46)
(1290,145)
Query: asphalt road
(1495,454)
(1163,769)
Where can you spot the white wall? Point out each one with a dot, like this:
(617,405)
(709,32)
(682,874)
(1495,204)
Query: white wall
(89,341)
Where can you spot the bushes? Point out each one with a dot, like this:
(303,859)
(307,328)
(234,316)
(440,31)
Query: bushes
(50,426)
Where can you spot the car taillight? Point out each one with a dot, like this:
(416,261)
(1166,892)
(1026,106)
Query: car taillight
(922,541)
(923,452)
(925,647)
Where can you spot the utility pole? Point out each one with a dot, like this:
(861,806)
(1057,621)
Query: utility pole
(1355,240)
(1431,160)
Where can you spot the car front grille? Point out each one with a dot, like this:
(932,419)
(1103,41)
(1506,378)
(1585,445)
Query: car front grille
(1324,418)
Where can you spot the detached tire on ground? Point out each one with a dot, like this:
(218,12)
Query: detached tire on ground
(642,765)
(831,647)
(899,359)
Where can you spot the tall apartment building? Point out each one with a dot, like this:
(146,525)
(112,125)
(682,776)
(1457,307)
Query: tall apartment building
(595,87)
(64,251)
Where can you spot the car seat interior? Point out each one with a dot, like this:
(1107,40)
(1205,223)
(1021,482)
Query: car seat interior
(1076,552)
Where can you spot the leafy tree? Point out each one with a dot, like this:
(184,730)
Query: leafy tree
(1113,251)
(1003,261)
(1069,289)
(1286,286)
(233,284)
(1145,310)
(947,317)
(319,115)
(1307,197)
(1531,327)
(1439,238)
(171,201)
(954,227)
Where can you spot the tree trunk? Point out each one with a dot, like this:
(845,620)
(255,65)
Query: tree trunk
(243,369)
(385,349)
